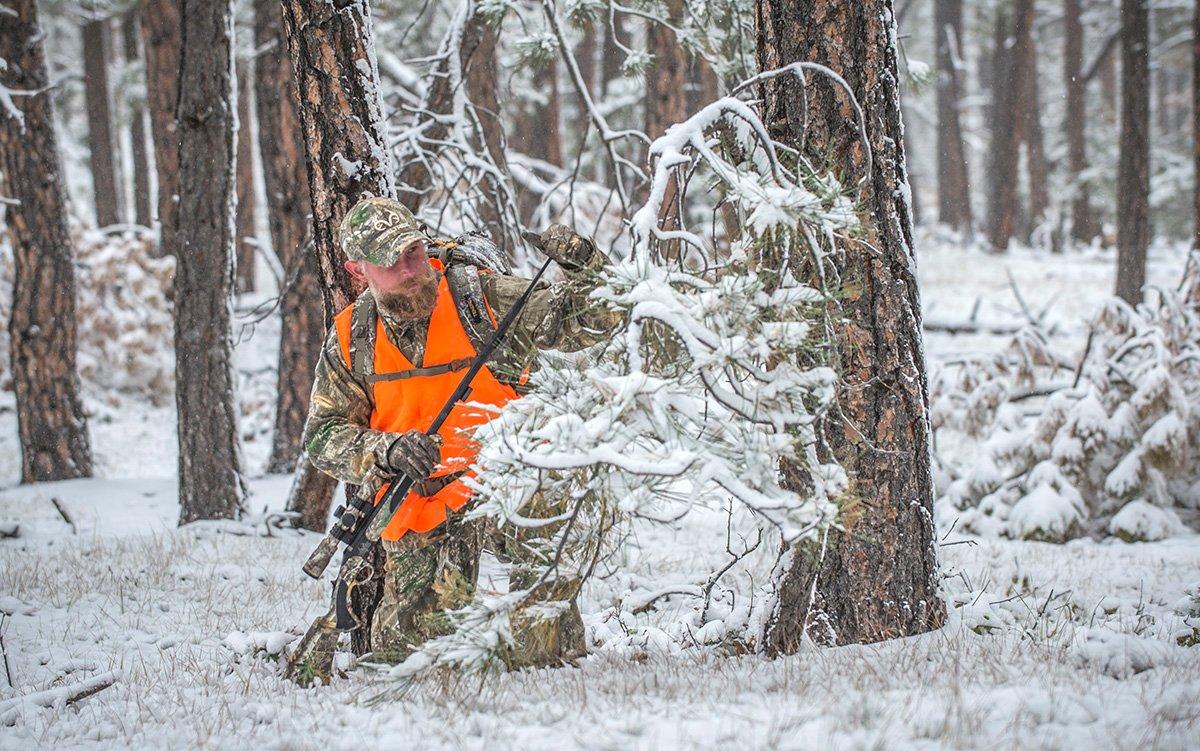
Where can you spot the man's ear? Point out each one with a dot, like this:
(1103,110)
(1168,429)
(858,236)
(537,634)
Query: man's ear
(355,270)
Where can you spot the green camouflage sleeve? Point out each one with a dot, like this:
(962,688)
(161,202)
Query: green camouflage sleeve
(336,435)
(558,315)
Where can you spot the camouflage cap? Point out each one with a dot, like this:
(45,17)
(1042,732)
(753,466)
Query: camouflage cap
(377,230)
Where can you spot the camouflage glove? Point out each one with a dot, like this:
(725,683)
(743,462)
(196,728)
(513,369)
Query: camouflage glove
(412,454)
(574,253)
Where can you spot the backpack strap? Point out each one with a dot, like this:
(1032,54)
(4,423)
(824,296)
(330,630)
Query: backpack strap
(362,336)
(473,312)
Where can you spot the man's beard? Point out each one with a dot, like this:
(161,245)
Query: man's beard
(412,302)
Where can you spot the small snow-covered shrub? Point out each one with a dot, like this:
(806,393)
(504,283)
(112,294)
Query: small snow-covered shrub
(125,329)
(1114,448)
(715,377)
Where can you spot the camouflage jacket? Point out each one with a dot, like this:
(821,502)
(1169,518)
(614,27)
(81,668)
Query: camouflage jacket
(557,316)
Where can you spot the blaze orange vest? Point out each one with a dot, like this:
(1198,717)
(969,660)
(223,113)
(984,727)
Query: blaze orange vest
(410,403)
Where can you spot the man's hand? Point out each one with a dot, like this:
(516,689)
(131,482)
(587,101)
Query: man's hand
(571,251)
(413,454)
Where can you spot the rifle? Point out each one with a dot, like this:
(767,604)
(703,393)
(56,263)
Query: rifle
(361,525)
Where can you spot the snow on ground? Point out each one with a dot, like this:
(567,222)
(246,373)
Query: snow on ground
(1079,645)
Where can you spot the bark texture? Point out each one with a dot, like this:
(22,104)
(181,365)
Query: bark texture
(1083,222)
(1010,73)
(1196,126)
(1133,169)
(666,104)
(161,45)
(50,419)
(1035,143)
(102,152)
(137,124)
(210,484)
(341,112)
(281,145)
(878,579)
(247,202)
(954,182)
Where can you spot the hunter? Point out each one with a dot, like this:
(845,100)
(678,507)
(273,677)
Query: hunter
(390,361)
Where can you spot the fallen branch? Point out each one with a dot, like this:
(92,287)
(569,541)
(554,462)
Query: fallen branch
(63,513)
(971,327)
(56,698)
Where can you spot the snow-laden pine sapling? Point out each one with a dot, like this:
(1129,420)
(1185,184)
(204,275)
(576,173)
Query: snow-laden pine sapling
(717,376)
(1113,451)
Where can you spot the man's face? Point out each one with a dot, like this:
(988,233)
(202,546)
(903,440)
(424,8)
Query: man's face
(407,289)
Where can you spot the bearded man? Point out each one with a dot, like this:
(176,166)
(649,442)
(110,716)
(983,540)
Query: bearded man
(390,362)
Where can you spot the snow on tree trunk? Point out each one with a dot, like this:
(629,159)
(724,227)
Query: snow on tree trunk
(137,123)
(244,233)
(878,578)
(50,419)
(101,136)
(161,48)
(341,112)
(954,182)
(210,483)
(302,319)
(1133,178)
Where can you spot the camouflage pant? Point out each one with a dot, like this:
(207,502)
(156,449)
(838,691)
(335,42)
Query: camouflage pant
(427,574)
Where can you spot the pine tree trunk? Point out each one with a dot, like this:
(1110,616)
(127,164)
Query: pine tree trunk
(665,105)
(1010,70)
(341,112)
(1035,144)
(245,227)
(544,123)
(954,182)
(101,137)
(1083,224)
(341,116)
(137,124)
(1133,170)
(302,318)
(50,418)
(161,45)
(611,56)
(481,83)
(878,579)
(1196,125)
(476,37)
(210,483)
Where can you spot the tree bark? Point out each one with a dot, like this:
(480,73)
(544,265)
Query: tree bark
(1010,70)
(665,105)
(1196,127)
(612,57)
(247,204)
(50,418)
(106,191)
(954,182)
(210,483)
(1133,169)
(161,41)
(1083,223)
(302,320)
(137,124)
(341,112)
(1035,143)
(877,579)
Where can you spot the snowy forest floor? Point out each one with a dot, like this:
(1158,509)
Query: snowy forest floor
(1049,646)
